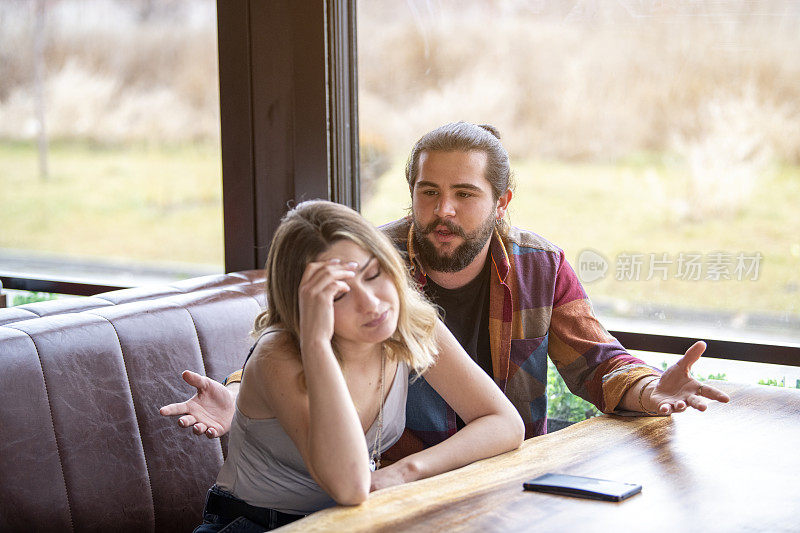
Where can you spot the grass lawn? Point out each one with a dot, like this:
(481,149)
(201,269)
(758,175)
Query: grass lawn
(630,207)
(140,203)
(164,204)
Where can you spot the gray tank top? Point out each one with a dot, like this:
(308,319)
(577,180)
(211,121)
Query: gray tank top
(264,467)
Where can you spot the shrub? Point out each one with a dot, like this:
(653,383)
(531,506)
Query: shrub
(31,297)
(561,403)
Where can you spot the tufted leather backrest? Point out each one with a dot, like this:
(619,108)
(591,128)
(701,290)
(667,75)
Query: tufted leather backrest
(83,446)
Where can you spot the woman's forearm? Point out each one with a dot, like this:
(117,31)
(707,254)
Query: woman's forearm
(337,449)
(493,424)
(483,437)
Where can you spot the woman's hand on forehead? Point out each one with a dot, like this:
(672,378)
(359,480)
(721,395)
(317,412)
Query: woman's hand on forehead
(346,252)
(349,265)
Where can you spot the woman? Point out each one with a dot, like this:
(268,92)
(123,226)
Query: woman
(324,388)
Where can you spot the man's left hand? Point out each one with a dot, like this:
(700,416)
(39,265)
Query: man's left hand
(677,389)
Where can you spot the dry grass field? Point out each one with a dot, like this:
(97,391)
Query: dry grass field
(662,127)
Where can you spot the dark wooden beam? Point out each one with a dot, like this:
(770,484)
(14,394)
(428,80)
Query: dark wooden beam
(778,354)
(238,165)
(288,103)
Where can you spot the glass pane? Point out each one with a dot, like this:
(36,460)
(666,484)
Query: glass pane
(109,139)
(658,143)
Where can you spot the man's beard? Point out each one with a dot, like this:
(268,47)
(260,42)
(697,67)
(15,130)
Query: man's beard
(462,256)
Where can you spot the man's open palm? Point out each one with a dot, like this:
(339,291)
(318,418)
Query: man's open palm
(209,412)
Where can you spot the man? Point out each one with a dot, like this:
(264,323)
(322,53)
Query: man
(509,297)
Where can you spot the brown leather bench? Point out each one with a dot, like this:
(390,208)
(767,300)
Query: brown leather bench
(83,447)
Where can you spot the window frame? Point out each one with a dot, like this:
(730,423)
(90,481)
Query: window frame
(288,86)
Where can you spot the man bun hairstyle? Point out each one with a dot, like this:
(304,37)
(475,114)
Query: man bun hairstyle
(491,129)
(466,137)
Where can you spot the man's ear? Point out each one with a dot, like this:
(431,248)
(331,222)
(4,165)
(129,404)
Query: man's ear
(502,204)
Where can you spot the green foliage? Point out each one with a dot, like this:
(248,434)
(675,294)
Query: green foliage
(561,403)
(775,383)
(31,297)
(721,376)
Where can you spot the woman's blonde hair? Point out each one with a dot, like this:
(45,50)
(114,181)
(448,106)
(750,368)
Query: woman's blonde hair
(309,230)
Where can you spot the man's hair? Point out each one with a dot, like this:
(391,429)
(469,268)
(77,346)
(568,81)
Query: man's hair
(309,230)
(466,137)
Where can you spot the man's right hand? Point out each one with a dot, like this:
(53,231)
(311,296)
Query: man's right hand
(209,412)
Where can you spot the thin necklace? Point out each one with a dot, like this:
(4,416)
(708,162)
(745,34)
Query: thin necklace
(375,456)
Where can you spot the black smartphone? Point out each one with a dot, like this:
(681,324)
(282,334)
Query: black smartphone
(583,487)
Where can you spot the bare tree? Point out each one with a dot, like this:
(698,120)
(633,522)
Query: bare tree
(39,74)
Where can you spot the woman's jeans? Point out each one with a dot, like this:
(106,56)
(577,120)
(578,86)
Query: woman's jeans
(226,513)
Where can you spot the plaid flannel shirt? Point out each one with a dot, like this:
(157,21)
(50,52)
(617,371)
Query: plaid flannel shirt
(537,307)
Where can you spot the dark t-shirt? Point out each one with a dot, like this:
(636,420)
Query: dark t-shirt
(466,314)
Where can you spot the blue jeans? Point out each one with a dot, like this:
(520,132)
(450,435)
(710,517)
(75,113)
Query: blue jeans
(225,513)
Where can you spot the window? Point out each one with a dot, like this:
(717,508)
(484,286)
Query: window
(656,142)
(109,140)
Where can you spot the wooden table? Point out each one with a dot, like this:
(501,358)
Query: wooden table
(735,467)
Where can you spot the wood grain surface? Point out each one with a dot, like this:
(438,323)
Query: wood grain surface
(735,467)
